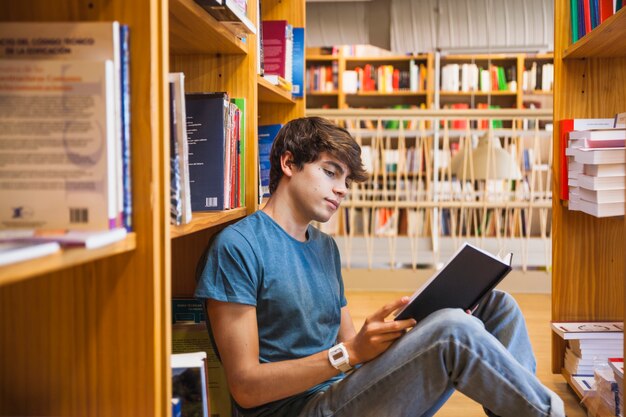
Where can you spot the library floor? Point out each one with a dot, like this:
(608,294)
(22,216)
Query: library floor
(536,308)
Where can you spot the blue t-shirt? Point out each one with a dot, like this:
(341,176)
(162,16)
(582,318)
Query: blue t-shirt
(296,287)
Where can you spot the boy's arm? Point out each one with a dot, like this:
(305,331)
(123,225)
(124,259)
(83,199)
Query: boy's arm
(346,329)
(252,384)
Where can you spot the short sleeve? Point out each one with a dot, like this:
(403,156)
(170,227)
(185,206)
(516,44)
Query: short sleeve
(231,273)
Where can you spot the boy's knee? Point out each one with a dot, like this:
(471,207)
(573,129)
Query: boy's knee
(501,301)
(453,323)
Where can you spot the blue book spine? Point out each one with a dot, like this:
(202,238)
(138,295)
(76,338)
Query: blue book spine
(297,73)
(127,207)
(206,134)
(267,133)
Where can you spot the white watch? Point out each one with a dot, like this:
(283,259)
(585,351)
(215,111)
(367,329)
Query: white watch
(339,358)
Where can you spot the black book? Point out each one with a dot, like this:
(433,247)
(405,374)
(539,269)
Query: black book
(463,282)
(207,118)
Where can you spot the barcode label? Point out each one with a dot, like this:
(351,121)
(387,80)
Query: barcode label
(79,215)
(210,202)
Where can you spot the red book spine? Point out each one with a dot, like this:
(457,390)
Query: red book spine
(565,126)
(606,9)
(274,47)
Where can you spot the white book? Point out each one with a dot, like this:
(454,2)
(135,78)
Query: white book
(589,330)
(593,135)
(602,196)
(189,378)
(81,238)
(13,252)
(601,209)
(97,41)
(604,170)
(349,83)
(597,156)
(601,183)
(61,174)
(178,78)
(583,383)
(596,343)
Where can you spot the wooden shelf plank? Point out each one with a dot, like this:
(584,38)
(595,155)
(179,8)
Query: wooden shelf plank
(393,93)
(67,258)
(194,31)
(607,40)
(322,57)
(400,58)
(479,57)
(270,93)
(322,93)
(538,93)
(203,221)
(478,93)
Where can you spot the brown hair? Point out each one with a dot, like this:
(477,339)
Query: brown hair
(306,138)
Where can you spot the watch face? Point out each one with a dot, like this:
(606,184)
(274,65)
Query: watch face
(337,355)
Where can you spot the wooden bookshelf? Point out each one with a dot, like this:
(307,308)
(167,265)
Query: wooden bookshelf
(270,93)
(506,99)
(606,41)
(194,31)
(87,332)
(65,259)
(204,221)
(589,267)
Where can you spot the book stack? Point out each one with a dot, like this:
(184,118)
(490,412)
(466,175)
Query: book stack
(590,345)
(215,141)
(597,171)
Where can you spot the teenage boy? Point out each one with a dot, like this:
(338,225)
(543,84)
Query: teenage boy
(276,305)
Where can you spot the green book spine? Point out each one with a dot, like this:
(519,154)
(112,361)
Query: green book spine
(574,16)
(241,105)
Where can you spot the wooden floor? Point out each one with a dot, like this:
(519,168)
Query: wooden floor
(536,309)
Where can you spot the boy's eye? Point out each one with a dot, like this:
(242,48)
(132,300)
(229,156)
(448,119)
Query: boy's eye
(329,173)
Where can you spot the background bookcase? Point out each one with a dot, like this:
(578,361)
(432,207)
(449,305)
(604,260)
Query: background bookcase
(87,333)
(337,99)
(589,266)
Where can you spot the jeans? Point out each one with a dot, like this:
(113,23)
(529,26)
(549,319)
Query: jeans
(486,356)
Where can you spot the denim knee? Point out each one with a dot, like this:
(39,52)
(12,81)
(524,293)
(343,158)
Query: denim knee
(451,324)
(503,301)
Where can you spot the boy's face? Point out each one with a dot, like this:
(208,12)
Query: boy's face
(319,188)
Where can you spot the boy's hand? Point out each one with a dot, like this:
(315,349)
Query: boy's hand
(377,335)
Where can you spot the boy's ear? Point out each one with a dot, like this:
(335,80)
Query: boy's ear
(286,164)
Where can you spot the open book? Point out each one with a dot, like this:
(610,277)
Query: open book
(462,283)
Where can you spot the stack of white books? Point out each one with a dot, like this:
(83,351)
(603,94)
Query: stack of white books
(590,345)
(597,171)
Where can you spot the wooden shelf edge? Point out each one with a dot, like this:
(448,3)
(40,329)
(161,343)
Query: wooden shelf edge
(322,57)
(607,40)
(270,93)
(67,258)
(391,94)
(393,58)
(203,221)
(478,93)
(194,30)
(322,93)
